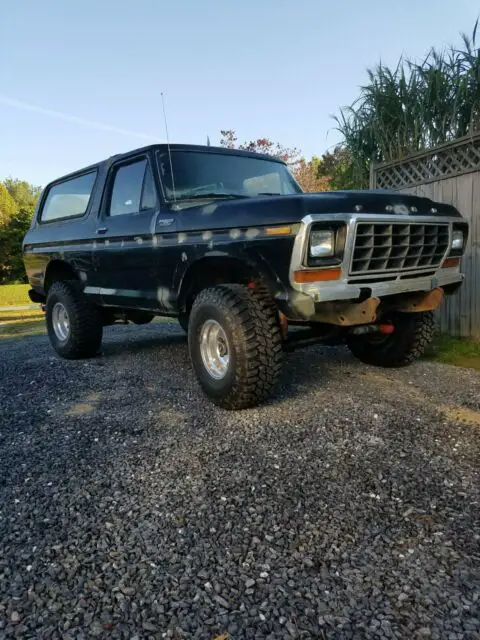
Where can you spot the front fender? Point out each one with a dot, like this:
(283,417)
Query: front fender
(245,261)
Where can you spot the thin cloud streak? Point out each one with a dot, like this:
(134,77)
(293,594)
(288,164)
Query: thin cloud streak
(17,104)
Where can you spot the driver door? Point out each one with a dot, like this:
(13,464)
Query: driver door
(125,257)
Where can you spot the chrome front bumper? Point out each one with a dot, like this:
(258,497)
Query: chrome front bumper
(330,291)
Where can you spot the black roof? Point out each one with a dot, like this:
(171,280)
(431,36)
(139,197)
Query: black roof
(198,147)
(164,147)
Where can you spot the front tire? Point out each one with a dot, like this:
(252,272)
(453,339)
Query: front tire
(413,333)
(235,345)
(74,325)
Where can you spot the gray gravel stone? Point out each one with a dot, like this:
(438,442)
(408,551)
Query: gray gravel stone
(347,507)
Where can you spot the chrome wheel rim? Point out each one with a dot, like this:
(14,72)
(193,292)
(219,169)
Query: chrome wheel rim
(60,322)
(214,349)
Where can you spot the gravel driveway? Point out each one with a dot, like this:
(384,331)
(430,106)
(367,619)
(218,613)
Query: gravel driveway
(132,508)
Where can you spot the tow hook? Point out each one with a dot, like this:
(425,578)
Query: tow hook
(372,328)
(283,321)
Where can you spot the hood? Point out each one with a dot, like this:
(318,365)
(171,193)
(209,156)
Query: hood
(248,212)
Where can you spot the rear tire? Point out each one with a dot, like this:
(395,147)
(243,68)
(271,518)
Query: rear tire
(74,325)
(413,333)
(235,345)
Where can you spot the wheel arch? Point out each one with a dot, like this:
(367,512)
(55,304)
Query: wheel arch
(58,270)
(213,270)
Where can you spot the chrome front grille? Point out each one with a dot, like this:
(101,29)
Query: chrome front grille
(381,246)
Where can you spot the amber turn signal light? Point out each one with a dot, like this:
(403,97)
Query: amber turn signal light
(450,262)
(278,231)
(316,275)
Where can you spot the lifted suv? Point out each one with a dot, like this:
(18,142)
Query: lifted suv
(227,242)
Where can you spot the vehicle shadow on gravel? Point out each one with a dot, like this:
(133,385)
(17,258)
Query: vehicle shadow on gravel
(134,345)
(312,367)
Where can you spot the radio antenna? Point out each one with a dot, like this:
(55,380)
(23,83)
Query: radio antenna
(168,147)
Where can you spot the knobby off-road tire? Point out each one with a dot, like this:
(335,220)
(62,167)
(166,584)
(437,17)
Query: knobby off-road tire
(413,333)
(248,322)
(82,323)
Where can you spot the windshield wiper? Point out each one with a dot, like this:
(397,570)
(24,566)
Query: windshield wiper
(213,194)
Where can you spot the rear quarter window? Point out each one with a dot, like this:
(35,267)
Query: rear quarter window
(68,199)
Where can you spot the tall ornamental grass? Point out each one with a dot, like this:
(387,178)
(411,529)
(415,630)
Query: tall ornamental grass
(413,107)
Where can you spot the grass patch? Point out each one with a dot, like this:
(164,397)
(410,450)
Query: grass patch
(461,352)
(24,314)
(14,295)
(31,322)
(18,324)
(21,328)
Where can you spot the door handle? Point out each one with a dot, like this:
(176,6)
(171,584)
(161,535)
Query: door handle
(102,230)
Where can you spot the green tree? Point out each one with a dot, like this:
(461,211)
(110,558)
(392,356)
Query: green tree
(17,204)
(338,167)
(8,206)
(24,193)
(11,238)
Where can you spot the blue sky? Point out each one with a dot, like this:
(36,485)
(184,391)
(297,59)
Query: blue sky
(275,68)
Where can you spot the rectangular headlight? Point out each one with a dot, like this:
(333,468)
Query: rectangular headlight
(322,243)
(457,240)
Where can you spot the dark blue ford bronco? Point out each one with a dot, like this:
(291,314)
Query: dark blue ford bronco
(227,242)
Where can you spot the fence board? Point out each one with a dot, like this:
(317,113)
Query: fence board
(460,314)
(474,243)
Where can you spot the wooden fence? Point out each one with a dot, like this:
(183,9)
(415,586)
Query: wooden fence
(451,174)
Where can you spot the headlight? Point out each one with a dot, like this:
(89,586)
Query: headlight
(457,240)
(322,243)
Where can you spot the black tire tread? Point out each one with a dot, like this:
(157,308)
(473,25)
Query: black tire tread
(423,334)
(86,325)
(258,342)
(412,335)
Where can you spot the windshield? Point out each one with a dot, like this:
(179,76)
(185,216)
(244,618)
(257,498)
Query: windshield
(201,174)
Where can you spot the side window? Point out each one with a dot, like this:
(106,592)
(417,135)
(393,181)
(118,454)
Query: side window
(133,189)
(69,198)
